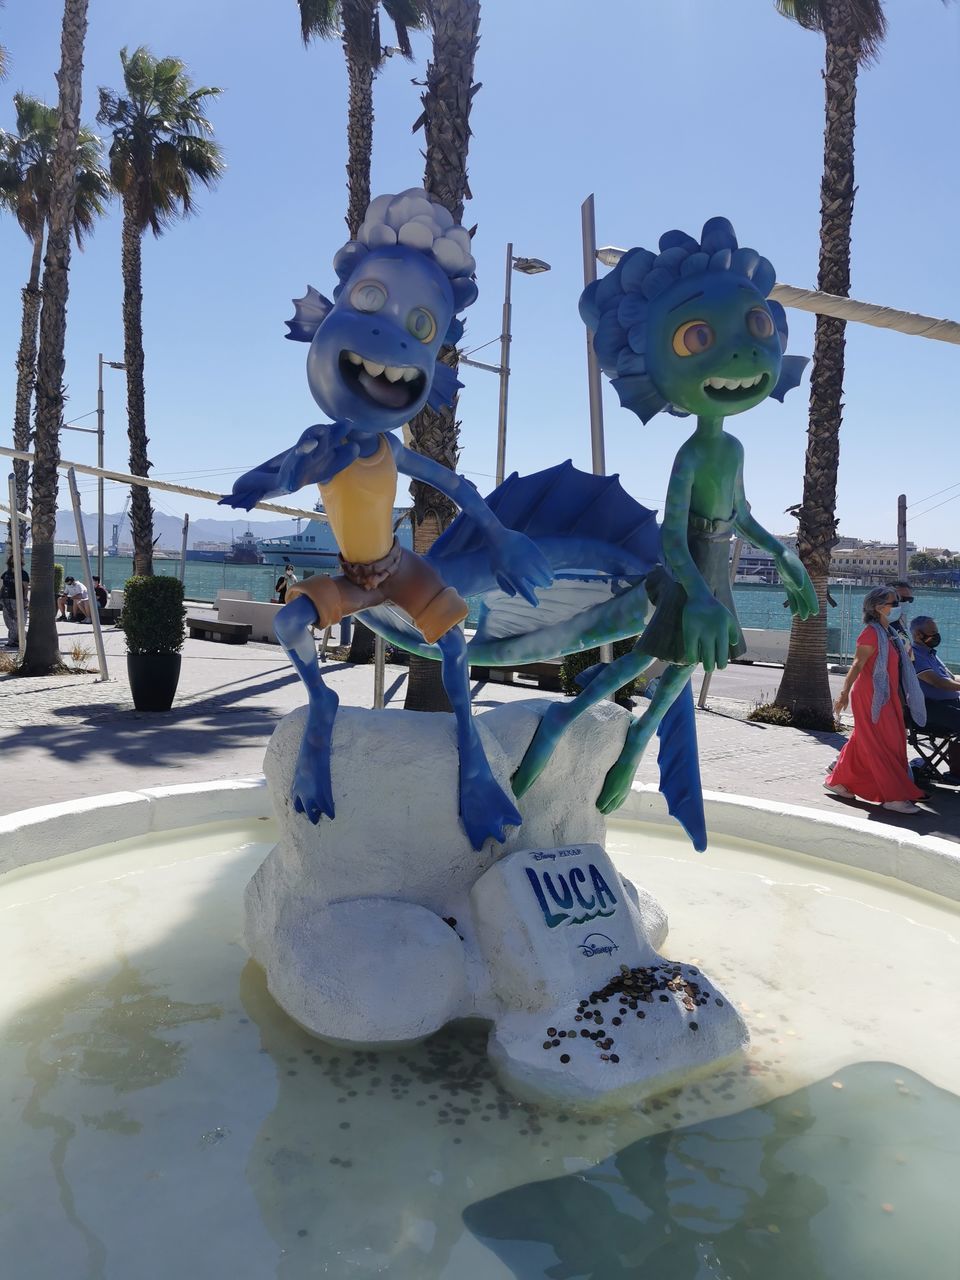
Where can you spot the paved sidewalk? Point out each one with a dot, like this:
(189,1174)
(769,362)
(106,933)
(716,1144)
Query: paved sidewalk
(73,736)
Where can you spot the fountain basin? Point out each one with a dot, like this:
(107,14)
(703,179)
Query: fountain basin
(161,1113)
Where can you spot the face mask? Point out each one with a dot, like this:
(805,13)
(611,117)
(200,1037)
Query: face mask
(932,641)
(894,613)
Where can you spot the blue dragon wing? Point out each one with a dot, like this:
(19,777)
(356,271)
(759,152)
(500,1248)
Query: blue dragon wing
(599,542)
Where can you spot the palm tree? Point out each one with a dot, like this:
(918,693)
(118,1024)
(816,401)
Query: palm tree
(42,655)
(357,24)
(161,147)
(26,164)
(853,31)
(446,123)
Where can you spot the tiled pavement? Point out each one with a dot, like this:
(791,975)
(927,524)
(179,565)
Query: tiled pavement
(74,736)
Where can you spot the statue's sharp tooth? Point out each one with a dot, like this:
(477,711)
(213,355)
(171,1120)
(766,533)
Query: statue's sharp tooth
(410,374)
(373,368)
(392,373)
(354,358)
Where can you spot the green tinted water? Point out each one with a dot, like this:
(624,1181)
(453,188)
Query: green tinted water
(160,1116)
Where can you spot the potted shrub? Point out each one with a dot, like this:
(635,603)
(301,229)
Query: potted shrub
(152,621)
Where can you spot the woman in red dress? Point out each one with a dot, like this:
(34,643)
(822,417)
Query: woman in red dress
(873,764)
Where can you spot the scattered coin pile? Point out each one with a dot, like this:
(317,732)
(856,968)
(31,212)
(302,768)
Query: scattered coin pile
(630,988)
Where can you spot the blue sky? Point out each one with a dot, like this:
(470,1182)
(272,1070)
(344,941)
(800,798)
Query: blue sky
(670,111)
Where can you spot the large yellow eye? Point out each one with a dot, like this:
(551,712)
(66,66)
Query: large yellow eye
(421,324)
(693,338)
(760,323)
(368,296)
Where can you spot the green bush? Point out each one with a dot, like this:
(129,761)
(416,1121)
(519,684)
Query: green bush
(152,617)
(57,580)
(794,718)
(574,663)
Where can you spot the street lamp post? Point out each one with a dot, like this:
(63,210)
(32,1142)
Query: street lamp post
(98,432)
(113,364)
(527,267)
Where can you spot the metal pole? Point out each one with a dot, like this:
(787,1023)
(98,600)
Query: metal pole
(379,659)
(85,561)
(902,536)
(505,335)
(17,565)
(589,235)
(183,546)
(100,465)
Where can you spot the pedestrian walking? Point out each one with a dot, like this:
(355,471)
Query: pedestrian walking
(873,764)
(8,601)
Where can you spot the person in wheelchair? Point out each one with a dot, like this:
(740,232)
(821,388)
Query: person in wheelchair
(941,689)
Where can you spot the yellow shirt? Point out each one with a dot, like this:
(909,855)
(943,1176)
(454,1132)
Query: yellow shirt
(359,503)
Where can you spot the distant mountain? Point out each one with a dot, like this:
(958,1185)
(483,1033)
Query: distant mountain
(168,528)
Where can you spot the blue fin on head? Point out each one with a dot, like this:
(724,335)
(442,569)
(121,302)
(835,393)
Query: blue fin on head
(454,332)
(638,392)
(444,387)
(791,371)
(310,311)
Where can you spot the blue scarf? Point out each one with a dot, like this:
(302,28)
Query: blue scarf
(909,684)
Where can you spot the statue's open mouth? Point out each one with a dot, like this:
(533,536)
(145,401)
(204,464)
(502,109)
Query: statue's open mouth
(731,390)
(387,386)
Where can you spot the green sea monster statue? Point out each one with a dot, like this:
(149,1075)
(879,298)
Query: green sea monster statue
(690,330)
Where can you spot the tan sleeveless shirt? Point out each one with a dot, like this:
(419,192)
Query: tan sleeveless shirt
(359,503)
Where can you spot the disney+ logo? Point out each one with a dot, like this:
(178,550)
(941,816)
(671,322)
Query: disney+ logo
(597,944)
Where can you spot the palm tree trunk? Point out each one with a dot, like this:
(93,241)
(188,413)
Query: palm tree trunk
(446,121)
(359,25)
(27,377)
(141,512)
(43,650)
(805,686)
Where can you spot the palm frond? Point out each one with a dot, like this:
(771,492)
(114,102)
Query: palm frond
(868,22)
(162,141)
(319,19)
(26,162)
(406,16)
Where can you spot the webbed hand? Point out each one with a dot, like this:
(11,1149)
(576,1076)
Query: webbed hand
(801,595)
(320,453)
(253,486)
(709,629)
(519,565)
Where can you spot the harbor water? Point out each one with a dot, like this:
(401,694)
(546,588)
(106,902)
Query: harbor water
(758,605)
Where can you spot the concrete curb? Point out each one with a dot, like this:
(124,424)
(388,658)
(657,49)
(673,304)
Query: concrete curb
(923,861)
(48,831)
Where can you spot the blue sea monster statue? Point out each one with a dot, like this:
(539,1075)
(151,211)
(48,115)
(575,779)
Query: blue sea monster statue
(372,365)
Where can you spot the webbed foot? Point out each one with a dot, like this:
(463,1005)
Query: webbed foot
(486,810)
(541,748)
(616,785)
(312,790)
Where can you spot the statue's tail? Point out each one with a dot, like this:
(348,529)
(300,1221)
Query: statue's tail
(679,763)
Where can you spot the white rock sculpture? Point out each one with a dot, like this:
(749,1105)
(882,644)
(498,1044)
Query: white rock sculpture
(381,926)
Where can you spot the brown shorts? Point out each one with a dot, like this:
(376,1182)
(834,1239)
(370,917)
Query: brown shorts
(413,584)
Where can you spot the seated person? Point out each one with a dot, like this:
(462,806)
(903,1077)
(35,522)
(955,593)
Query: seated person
(74,596)
(100,592)
(941,689)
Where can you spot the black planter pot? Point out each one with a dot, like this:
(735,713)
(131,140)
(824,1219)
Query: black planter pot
(153,679)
